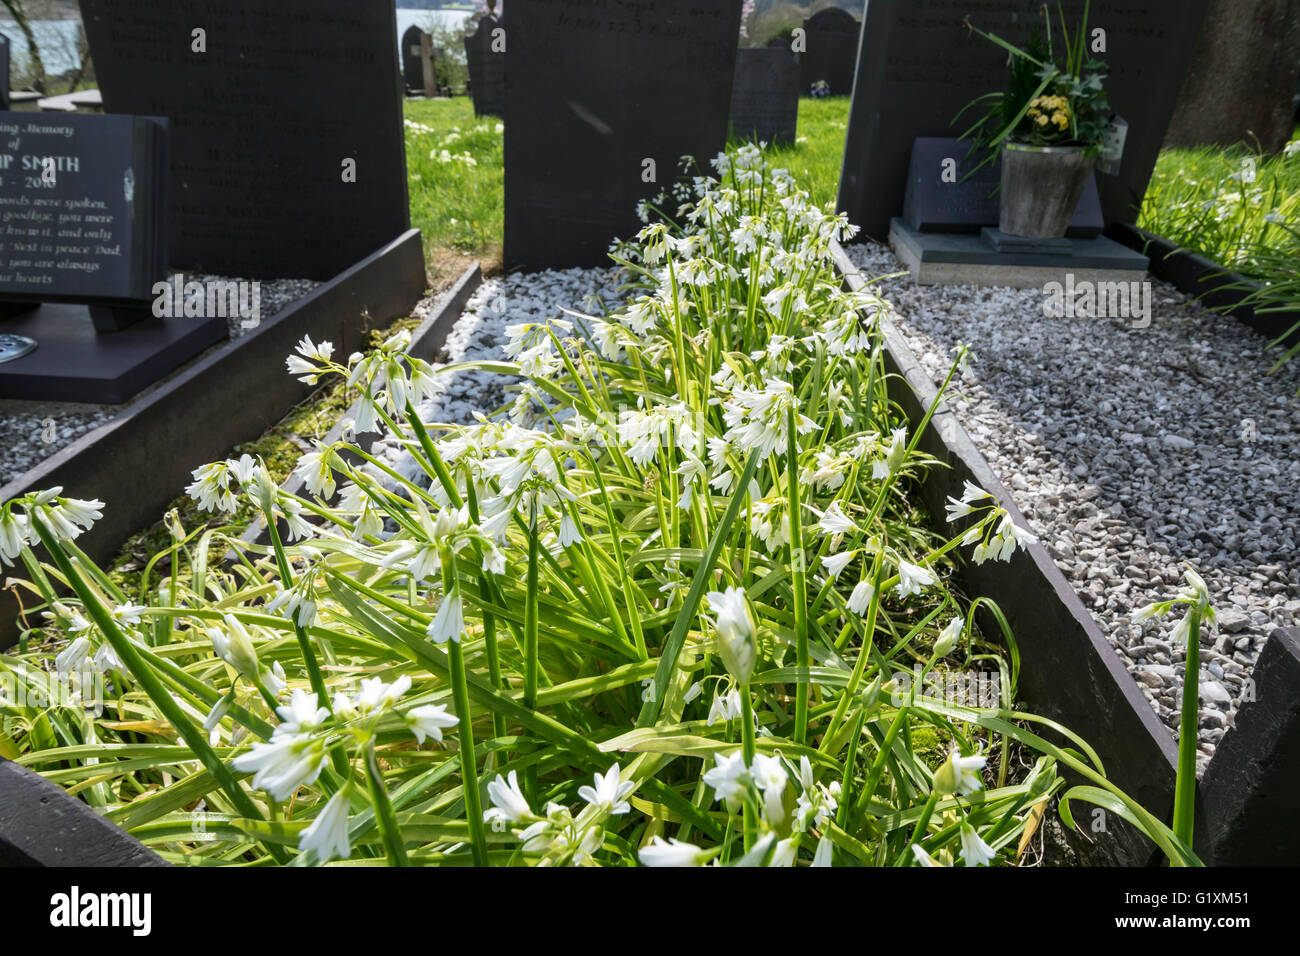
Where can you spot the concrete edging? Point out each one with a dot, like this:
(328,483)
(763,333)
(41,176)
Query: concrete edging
(141,460)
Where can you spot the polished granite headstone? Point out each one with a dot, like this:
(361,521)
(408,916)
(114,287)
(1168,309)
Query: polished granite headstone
(832,54)
(918,66)
(602,102)
(266,123)
(412,59)
(4,72)
(487,67)
(82,245)
(765,95)
(949,191)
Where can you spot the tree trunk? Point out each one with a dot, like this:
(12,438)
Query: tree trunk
(16,10)
(1242,83)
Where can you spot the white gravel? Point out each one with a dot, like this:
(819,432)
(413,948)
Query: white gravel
(30,432)
(480,335)
(1131,451)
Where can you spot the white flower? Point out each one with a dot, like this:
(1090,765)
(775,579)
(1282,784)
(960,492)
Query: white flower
(280,767)
(508,803)
(14,536)
(860,598)
(949,637)
(429,721)
(301,714)
(327,837)
(835,521)
(770,777)
(974,851)
(823,856)
(375,695)
(958,775)
(314,469)
(670,853)
(449,623)
(729,777)
(74,658)
(784,853)
(570,533)
(912,578)
(725,707)
(835,563)
(735,632)
(609,791)
(211,488)
(923,858)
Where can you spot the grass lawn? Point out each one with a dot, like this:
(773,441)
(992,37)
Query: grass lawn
(457,183)
(1235,206)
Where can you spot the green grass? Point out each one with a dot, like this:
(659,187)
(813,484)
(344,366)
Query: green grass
(1202,199)
(459,207)
(818,152)
(457,204)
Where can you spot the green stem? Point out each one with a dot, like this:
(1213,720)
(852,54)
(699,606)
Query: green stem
(798,578)
(389,831)
(468,770)
(1188,738)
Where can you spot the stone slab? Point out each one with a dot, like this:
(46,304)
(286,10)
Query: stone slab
(487,67)
(832,51)
(263,122)
(968,199)
(74,363)
(918,66)
(141,460)
(42,826)
(938,259)
(603,101)
(1250,792)
(765,95)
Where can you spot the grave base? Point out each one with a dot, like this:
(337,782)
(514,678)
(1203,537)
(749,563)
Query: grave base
(947,259)
(74,363)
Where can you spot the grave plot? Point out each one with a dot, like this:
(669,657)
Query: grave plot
(1132,450)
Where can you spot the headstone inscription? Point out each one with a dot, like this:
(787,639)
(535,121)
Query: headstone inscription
(82,252)
(82,199)
(765,95)
(601,106)
(831,37)
(485,54)
(413,59)
(918,66)
(288,154)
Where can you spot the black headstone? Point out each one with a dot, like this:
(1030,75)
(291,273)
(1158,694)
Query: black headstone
(765,95)
(947,193)
(83,198)
(831,37)
(4,72)
(918,66)
(413,59)
(486,58)
(602,103)
(266,125)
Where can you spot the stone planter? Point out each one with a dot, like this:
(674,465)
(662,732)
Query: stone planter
(1041,187)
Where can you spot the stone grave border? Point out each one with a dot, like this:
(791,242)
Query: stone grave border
(1244,800)
(1070,673)
(141,460)
(1214,285)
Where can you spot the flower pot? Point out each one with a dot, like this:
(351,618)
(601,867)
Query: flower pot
(1041,186)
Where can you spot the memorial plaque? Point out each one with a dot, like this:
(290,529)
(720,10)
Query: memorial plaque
(918,66)
(765,95)
(832,38)
(486,58)
(81,197)
(287,149)
(603,100)
(942,197)
(413,59)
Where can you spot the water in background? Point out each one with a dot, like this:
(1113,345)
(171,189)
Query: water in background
(58,38)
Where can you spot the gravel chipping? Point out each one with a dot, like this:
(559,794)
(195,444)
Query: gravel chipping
(480,334)
(31,431)
(1131,451)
